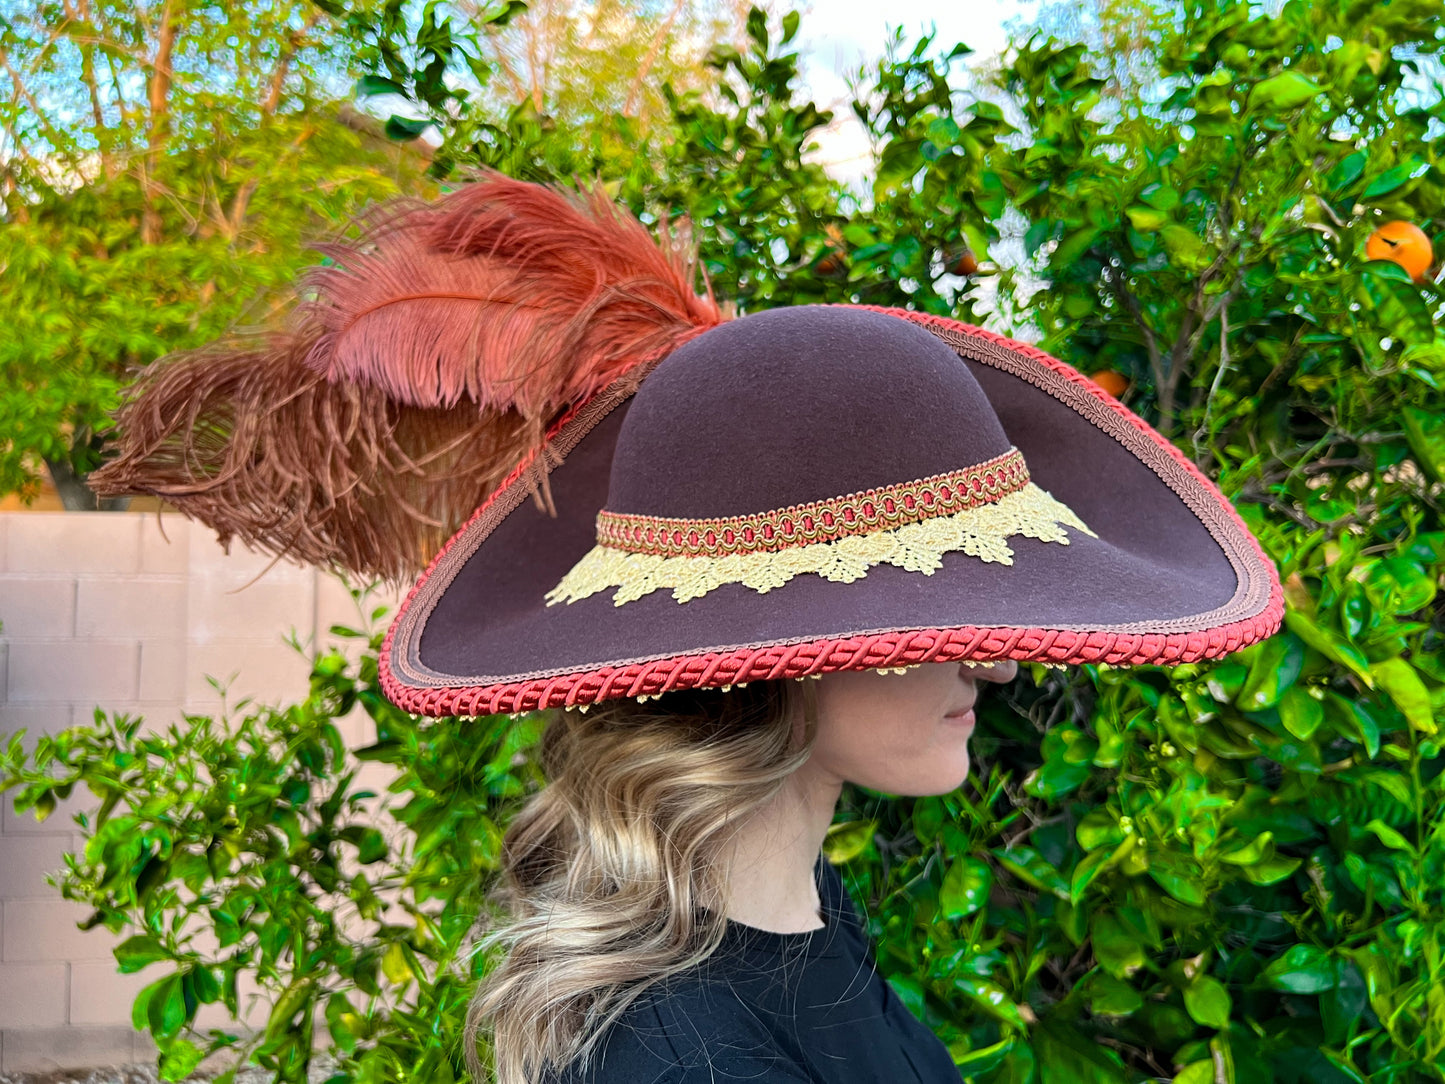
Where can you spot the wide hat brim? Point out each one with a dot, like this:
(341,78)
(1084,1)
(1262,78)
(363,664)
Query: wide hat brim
(1173,575)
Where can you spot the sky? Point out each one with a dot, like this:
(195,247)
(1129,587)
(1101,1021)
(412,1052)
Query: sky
(839,35)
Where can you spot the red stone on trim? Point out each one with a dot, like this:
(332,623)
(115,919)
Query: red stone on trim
(878,509)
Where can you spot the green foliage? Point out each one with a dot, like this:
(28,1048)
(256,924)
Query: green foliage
(1218,871)
(246,852)
(140,215)
(1228,871)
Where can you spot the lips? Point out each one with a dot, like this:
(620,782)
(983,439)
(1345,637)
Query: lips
(960,714)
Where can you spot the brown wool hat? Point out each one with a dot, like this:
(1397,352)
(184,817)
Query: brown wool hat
(822,488)
(714,501)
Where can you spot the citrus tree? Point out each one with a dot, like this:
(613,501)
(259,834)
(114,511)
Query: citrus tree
(1226,871)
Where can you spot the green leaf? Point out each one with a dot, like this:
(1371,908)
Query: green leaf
(1329,645)
(993,1000)
(1346,172)
(1389,837)
(909,991)
(166,1009)
(1288,90)
(370,85)
(137,952)
(394,964)
(1402,684)
(203,982)
(1186,250)
(1067,754)
(1179,876)
(1393,178)
(1256,850)
(180,1060)
(1111,996)
(1116,947)
(1425,430)
(1303,969)
(1271,870)
(1032,868)
(1085,872)
(1396,585)
(404,129)
(1099,828)
(369,842)
(972,1063)
(1146,219)
(1068,1057)
(1301,711)
(1208,1002)
(1277,663)
(1073,246)
(846,840)
(1397,301)
(965,887)
(1196,1072)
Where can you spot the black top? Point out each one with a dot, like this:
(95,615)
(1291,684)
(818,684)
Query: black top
(775,1008)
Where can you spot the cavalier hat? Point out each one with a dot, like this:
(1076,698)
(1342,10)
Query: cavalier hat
(639,495)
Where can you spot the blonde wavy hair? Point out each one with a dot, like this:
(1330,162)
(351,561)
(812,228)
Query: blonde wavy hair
(614,874)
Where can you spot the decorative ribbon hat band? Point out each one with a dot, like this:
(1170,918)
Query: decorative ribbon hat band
(910,525)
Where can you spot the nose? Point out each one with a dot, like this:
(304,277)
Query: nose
(1001,671)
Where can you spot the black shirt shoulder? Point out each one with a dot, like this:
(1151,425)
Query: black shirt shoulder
(805,1008)
(694,1029)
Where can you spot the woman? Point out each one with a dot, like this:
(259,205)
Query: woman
(683,512)
(727,948)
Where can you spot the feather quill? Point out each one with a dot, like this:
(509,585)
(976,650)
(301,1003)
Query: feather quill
(419,368)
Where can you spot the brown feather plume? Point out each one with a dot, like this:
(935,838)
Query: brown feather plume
(420,368)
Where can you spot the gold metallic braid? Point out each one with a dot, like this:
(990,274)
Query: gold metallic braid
(864,512)
(917,547)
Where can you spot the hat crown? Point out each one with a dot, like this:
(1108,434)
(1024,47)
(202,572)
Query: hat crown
(794,405)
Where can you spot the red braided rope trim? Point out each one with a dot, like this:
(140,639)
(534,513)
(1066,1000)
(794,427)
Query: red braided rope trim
(821,656)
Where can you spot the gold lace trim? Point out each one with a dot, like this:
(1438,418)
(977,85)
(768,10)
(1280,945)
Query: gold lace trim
(980,531)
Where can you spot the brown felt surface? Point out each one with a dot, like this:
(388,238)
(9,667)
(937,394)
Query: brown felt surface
(883,405)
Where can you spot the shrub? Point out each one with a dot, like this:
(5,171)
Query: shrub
(245,851)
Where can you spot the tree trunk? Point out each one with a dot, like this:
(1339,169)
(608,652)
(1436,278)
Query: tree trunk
(158,95)
(75,495)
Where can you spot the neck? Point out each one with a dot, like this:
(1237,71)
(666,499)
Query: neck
(771,858)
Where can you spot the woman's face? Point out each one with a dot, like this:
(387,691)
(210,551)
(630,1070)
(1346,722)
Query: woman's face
(904,734)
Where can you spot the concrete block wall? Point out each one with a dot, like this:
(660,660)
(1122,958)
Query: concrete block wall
(126,612)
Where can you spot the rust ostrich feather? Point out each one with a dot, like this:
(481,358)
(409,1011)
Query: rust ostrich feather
(417,370)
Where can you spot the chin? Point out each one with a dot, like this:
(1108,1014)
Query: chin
(929,783)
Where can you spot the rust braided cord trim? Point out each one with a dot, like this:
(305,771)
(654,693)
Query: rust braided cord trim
(863,652)
(864,512)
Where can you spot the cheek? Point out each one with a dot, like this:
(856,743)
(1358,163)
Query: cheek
(894,752)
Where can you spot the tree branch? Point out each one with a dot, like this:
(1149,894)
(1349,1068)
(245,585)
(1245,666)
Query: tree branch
(269,106)
(158,97)
(1218,377)
(645,68)
(1115,278)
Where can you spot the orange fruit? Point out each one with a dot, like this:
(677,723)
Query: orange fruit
(1403,243)
(1113,383)
(832,263)
(966,264)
